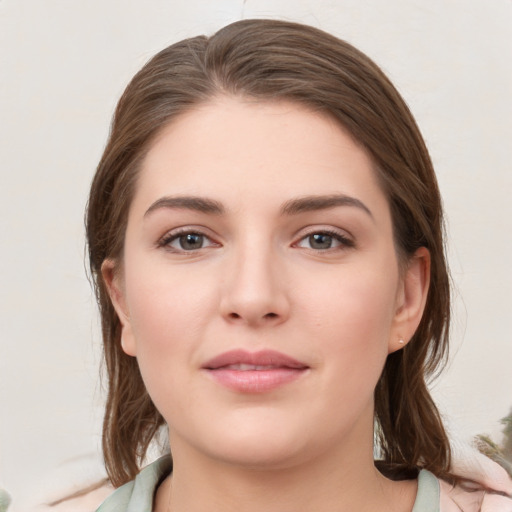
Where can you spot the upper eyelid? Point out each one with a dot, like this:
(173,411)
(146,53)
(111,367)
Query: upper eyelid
(310,230)
(186,228)
(296,236)
(346,240)
(174,233)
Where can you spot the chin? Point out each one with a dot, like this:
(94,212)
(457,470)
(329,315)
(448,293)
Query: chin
(261,453)
(261,443)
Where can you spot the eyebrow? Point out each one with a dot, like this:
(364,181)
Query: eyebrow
(199,204)
(291,207)
(312,203)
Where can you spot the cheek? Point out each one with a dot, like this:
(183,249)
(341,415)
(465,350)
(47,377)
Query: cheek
(357,304)
(168,313)
(166,331)
(166,300)
(352,317)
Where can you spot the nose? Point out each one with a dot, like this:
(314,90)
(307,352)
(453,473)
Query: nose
(255,292)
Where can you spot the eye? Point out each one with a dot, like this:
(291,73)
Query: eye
(185,241)
(324,240)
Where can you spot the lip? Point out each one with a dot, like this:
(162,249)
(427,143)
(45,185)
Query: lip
(254,372)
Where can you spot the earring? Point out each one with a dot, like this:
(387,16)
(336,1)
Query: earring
(401,341)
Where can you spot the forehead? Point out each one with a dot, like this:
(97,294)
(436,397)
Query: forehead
(237,148)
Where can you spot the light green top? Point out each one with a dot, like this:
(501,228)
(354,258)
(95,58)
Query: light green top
(137,495)
(5,500)
(427,498)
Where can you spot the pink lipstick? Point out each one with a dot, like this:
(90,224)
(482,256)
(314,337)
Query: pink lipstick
(254,372)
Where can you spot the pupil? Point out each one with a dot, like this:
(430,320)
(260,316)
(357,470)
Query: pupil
(191,241)
(320,241)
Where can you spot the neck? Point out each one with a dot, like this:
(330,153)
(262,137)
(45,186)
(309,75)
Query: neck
(335,481)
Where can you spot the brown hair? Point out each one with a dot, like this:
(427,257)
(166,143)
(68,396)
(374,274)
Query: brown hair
(274,60)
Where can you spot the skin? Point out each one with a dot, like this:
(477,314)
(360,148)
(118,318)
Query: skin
(257,280)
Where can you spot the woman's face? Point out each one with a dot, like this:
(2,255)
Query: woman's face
(260,289)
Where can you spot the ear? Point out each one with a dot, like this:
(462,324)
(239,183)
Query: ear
(411,299)
(112,276)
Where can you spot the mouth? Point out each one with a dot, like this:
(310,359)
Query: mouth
(254,372)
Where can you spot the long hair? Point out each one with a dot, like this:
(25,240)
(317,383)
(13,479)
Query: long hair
(272,61)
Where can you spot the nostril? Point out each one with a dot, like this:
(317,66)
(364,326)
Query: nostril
(236,316)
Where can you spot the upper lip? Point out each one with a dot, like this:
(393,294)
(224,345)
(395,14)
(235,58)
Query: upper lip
(266,358)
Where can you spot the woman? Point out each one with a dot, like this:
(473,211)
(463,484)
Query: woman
(265,235)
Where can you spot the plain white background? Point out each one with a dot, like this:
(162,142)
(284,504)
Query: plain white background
(63,66)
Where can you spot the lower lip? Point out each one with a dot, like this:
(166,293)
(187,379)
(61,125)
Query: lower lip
(256,381)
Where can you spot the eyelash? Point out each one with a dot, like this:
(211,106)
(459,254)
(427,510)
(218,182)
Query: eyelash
(344,241)
(166,240)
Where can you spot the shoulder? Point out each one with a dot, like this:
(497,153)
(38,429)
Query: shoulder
(436,495)
(492,489)
(458,498)
(119,499)
(137,495)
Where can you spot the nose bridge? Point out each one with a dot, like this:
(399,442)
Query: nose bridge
(254,292)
